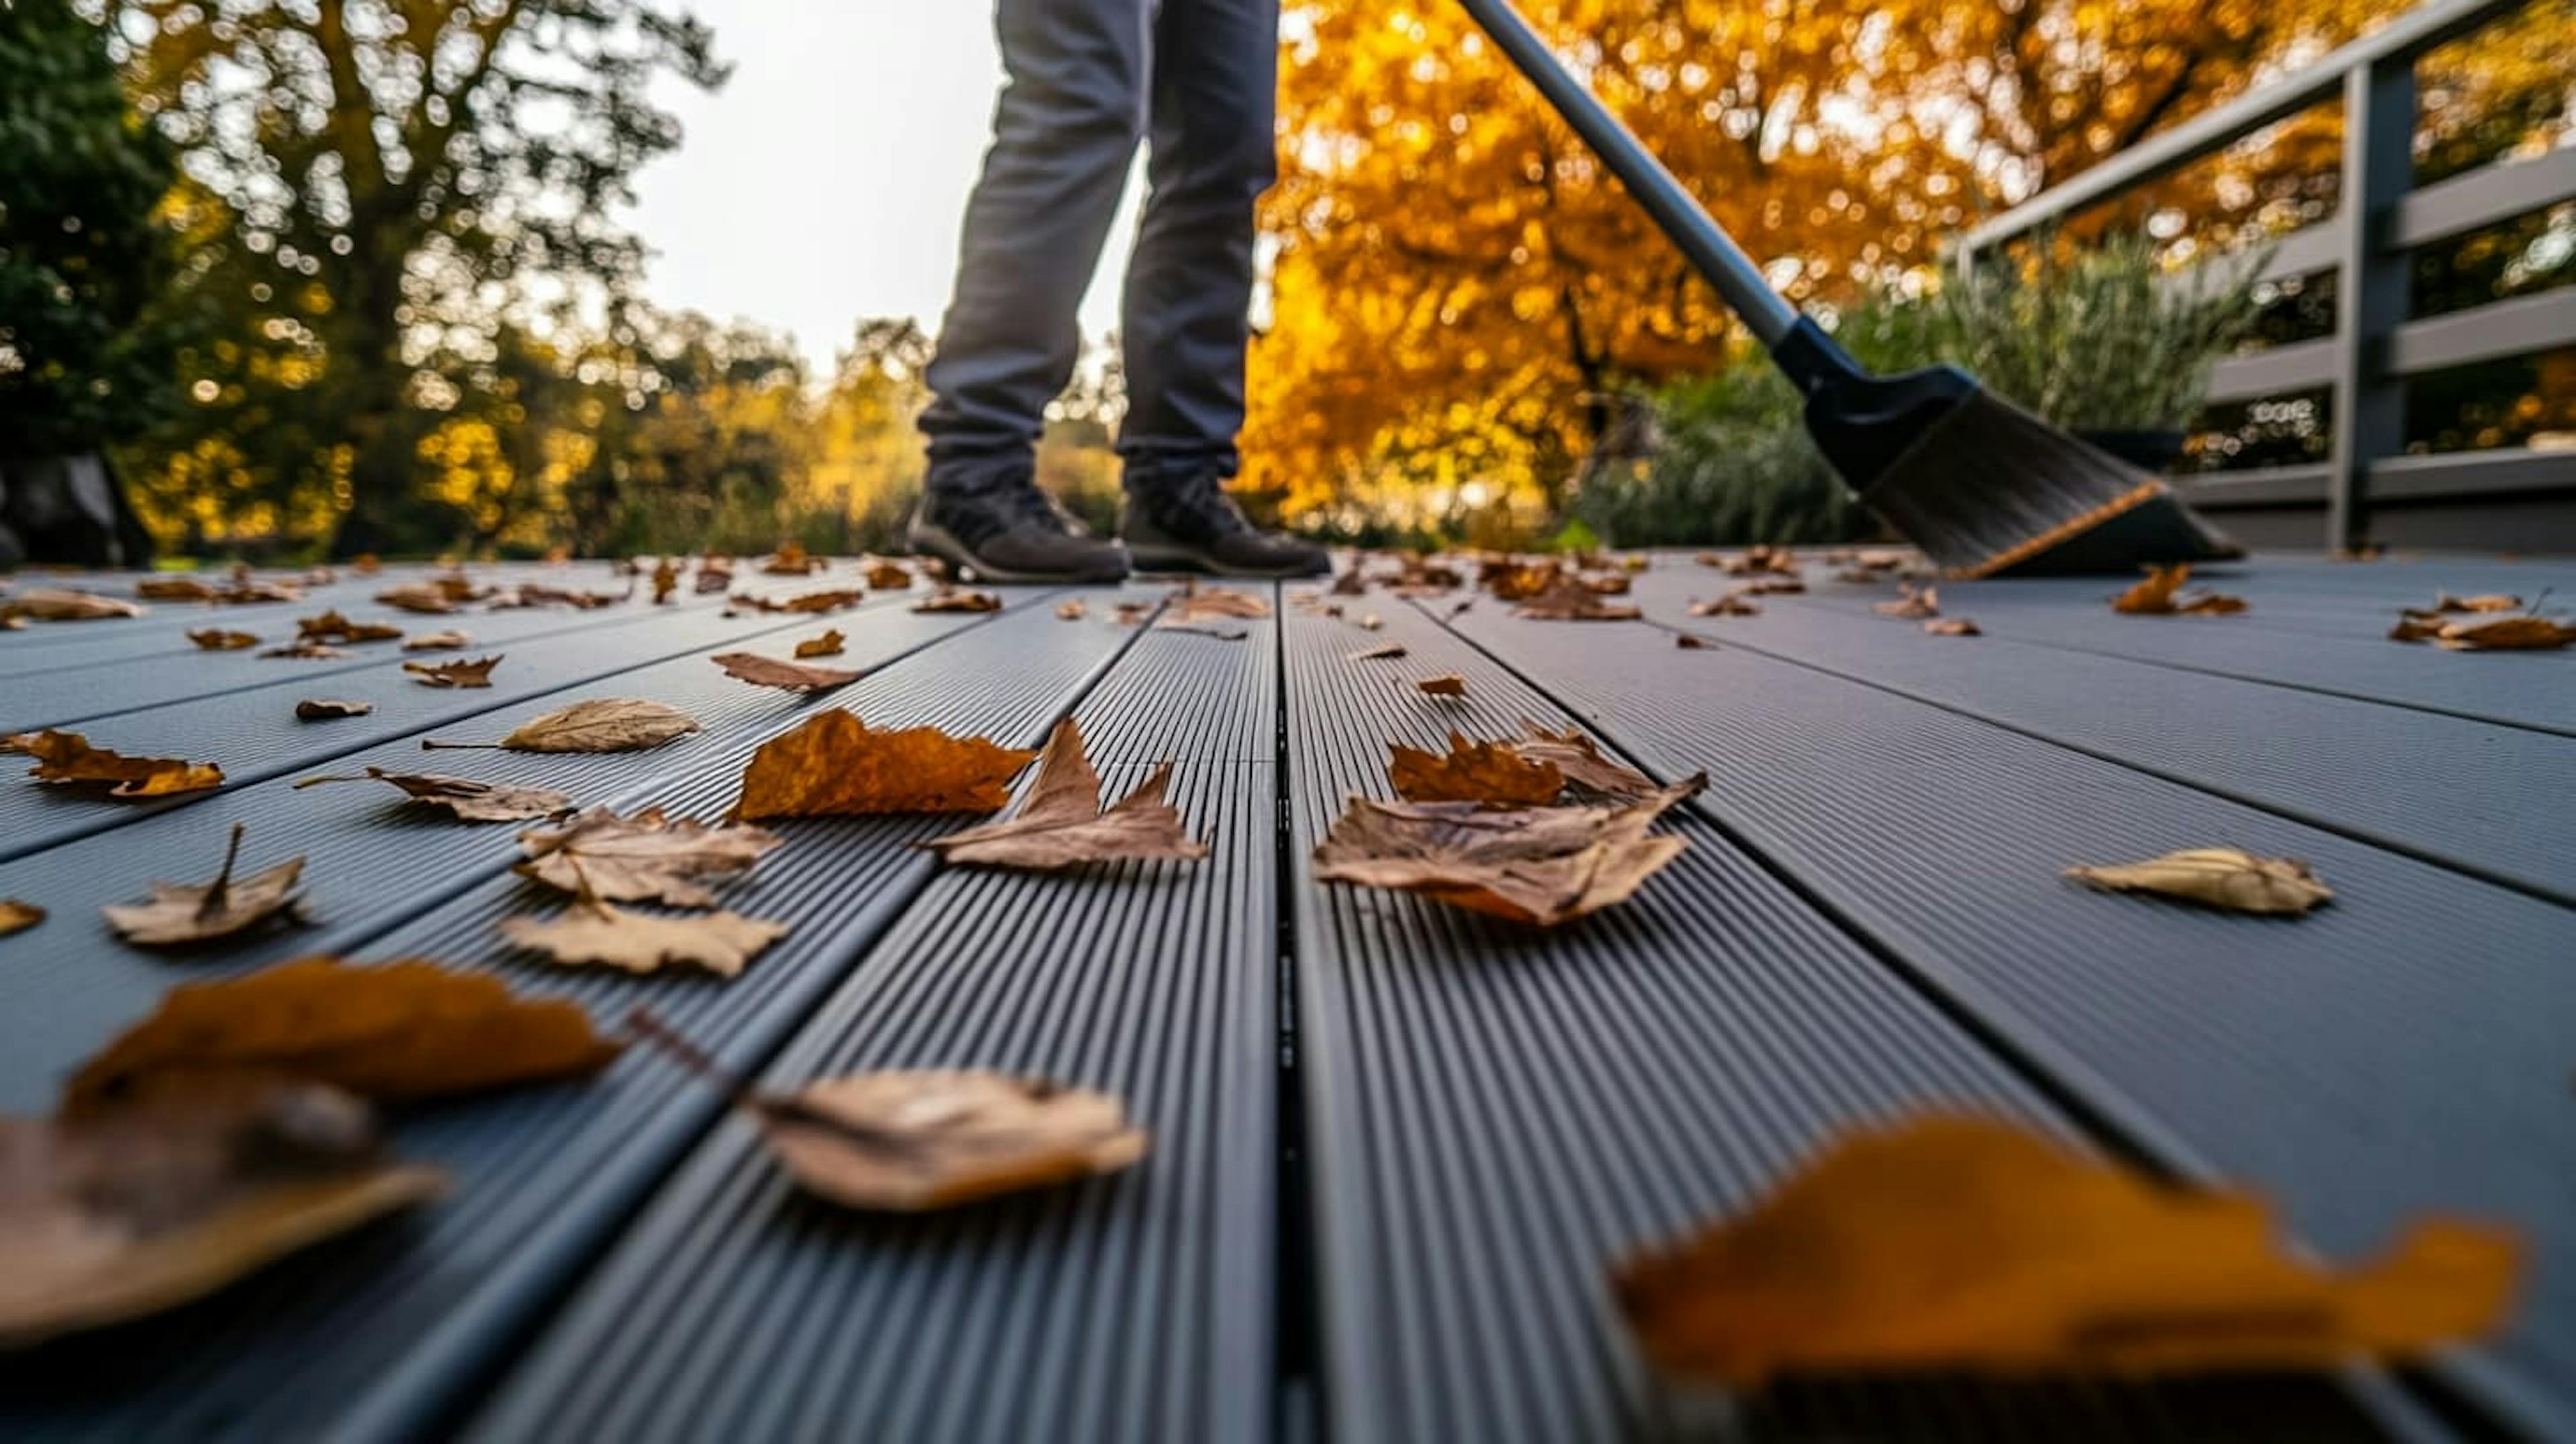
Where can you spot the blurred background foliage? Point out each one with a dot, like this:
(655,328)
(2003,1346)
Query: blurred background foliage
(349,275)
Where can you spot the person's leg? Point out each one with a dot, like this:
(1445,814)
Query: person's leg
(1064,134)
(1186,318)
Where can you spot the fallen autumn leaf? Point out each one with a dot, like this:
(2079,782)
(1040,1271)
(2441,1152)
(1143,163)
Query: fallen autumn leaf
(601,724)
(185,914)
(17,915)
(643,858)
(460,673)
(828,644)
(763,671)
(68,757)
(2219,877)
(322,709)
(836,764)
(1541,866)
(466,798)
(1061,824)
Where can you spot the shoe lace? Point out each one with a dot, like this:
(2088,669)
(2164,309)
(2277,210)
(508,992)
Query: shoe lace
(1203,500)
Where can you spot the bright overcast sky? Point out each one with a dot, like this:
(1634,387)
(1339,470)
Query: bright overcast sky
(825,182)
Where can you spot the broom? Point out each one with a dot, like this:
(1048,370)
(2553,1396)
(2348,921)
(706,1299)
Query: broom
(1981,485)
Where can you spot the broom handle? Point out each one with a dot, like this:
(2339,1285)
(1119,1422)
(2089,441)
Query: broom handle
(1711,251)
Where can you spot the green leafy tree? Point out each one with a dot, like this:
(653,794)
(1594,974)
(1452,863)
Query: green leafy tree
(397,179)
(83,254)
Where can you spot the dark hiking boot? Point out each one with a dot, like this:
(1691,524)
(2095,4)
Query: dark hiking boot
(1008,531)
(1191,525)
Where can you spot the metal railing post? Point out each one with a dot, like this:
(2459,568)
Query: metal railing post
(2369,417)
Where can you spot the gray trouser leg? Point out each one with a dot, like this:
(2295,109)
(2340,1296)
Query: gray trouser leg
(1064,133)
(1189,286)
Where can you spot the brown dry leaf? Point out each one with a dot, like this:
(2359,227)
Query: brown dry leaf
(184,914)
(477,673)
(828,644)
(173,589)
(767,672)
(591,931)
(135,1210)
(399,1033)
(2219,877)
(643,858)
(333,627)
(447,641)
(1061,824)
(424,598)
(1196,603)
(1072,610)
(1567,600)
(468,799)
(1952,627)
(1450,685)
(215,639)
(814,603)
(790,560)
(2161,595)
(2518,634)
(1753,561)
(1497,774)
(910,1141)
(1589,776)
(888,576)
(68,757)
(1514,580)
(366,564)
(1378,653)
(1858,576)
(601,724)
(836,764)
(306,650)
(1775,587)
(1688,643)
(319,709)
(47,604)
(18,915)
(2493,602)
(1911,602)
(666,580)
(1131,613)
(1351,583)
(1541,865)
(958,599)
(1732,604)
(1951,1243)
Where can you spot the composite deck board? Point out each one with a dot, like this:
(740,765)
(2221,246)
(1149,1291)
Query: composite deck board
(1495,1114)
(2484,797)
(2351,657)
(1133,1307)
(2399,1052)
(254,735)
(378,1336)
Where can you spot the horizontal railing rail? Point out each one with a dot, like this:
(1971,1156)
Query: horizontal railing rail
(2382,217)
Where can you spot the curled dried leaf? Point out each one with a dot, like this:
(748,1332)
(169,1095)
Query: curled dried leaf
(173,589)
(423,598)
(1952,1244)
(1196,603)
(2219,877)
(400,1033)
(1071,610)
(460,673)
(1952,627)
(306,650)
(836,764)
(814,603)
(1911,603)
(2492,602)
(1061,824)
(185,914)
(68,757)
(591,931)
(1688,643)
(450,640)
(132,1211)
(1450,685)
(958,599)
(1775,586)
(1540,865)
(643,858)
(666,580)
(1568,600)
(767,672)
(1589,776)
(320,709)
(889,576)
(50,604)
(1496,774)
(827,644)
(1370,622)
(1732,604)
(600,724)
(216,639)
(790,560)
(333,627)
(2161,594)
(468,799)
(1378,653)
(17,915)
(2498,634)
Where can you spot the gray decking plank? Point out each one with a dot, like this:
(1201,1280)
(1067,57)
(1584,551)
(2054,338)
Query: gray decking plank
(2487,798)
(1495,1113)
(377,1334)
(1132,1307)
(2396,1053)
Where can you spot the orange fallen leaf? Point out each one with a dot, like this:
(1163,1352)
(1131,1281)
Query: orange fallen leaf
(768,672)
(68,757)
(828,644)
(2220,877)
(1951,1244)
(17,915)
(1732,604)
(333,627)
(424,598)
(1451,685)
(173,589)
(836,764)
(2492,602)
(447,641)
(1061,824)
(666,580)
(1493,773)
(323,709)
(2519,634)
(2160,594)
(468,799)
(910,1141)
(400,1033)
(888,576)
(790,560)
(1071,610)
(958,599)
(1513,580)
(215,639)
(460,673)
(47,604)
(1537,865)
(134,1210)
(810,602)
(1911,603)
(1952,627)
(184,914)
(1567,600)
(1196,603)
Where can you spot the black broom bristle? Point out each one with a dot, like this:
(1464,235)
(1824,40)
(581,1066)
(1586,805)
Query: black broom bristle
(1990,489)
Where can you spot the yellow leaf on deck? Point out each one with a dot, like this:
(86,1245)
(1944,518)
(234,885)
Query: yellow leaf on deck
(2219,877)
(1966,1244)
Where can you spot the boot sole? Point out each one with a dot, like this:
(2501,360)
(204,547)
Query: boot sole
(1154,557)
(929,538)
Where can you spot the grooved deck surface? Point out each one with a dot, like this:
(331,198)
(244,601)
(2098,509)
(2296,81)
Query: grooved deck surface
(1395,1144)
